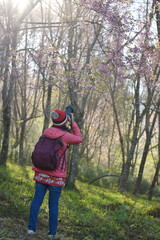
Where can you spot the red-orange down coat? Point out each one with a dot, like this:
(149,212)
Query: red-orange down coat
(67,138)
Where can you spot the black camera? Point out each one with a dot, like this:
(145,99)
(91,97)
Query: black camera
(69,110)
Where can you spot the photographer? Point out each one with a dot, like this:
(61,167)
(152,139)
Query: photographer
(53,180)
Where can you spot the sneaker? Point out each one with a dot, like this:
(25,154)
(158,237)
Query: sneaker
(54,237)
(31,232)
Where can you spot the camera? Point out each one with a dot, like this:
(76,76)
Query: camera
(69,109)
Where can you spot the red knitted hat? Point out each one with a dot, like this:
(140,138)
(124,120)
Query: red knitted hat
(59,118)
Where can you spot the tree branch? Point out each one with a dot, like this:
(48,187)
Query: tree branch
(106,175)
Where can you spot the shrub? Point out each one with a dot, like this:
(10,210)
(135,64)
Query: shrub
(131,185)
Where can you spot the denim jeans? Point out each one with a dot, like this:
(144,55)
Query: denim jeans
(54,195)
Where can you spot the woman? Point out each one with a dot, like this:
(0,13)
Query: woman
(53,180)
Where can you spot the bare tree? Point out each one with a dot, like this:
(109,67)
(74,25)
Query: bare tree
(156,175)
(149,134)
(78,44)
(9,74)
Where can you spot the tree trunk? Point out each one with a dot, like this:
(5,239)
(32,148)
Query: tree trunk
(23,104)
(145,153)
(47,109)
(7,97)
(155,178)
(73,167)
(134,140)
(6,134)
(157,17)
(22,159)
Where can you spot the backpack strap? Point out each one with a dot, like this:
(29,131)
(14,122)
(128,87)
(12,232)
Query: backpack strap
(63,155)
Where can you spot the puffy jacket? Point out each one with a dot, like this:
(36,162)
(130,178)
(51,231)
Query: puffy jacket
(67,138)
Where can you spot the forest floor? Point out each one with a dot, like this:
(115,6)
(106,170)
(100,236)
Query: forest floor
(87,213)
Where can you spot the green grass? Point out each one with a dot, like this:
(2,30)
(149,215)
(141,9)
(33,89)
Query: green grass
(87,213)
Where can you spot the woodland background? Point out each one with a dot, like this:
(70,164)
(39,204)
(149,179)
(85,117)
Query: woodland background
(103,58)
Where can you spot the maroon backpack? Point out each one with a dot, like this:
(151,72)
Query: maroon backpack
(45,155)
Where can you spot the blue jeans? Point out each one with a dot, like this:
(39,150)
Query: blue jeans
(54,195)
